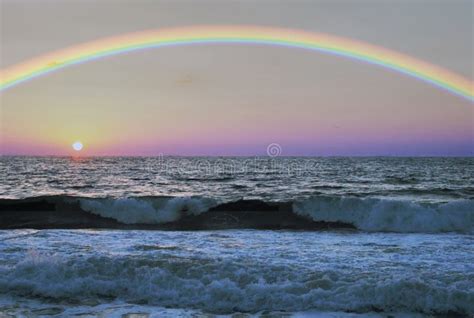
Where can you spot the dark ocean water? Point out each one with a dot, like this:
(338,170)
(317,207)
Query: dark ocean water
(231,178)
(413,253)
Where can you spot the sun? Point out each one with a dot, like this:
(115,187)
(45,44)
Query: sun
(77,146)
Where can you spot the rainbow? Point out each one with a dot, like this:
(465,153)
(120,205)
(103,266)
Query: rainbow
(218,34)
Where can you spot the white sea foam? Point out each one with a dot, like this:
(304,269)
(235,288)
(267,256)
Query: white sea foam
(246,271)
(117,309)
(227,286)
(386,215)
(147,210)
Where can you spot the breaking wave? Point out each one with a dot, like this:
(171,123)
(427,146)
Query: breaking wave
(366,214)
(147,211)
(226,286)
(385,215)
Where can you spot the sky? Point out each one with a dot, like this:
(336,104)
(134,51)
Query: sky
(237,99)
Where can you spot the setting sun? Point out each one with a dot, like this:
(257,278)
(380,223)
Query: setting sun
(77,146)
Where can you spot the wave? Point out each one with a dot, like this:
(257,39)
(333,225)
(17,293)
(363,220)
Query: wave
(367,214)
(229,285)
(387,215)
(197,213)
(147,210)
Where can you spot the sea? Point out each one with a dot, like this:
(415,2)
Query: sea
(410,254)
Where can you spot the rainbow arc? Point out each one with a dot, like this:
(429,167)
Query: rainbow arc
(218,34)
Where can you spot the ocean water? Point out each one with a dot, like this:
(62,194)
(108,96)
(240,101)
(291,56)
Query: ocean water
(412,252)
(232,178)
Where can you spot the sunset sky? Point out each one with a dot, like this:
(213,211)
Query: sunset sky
(236,99)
